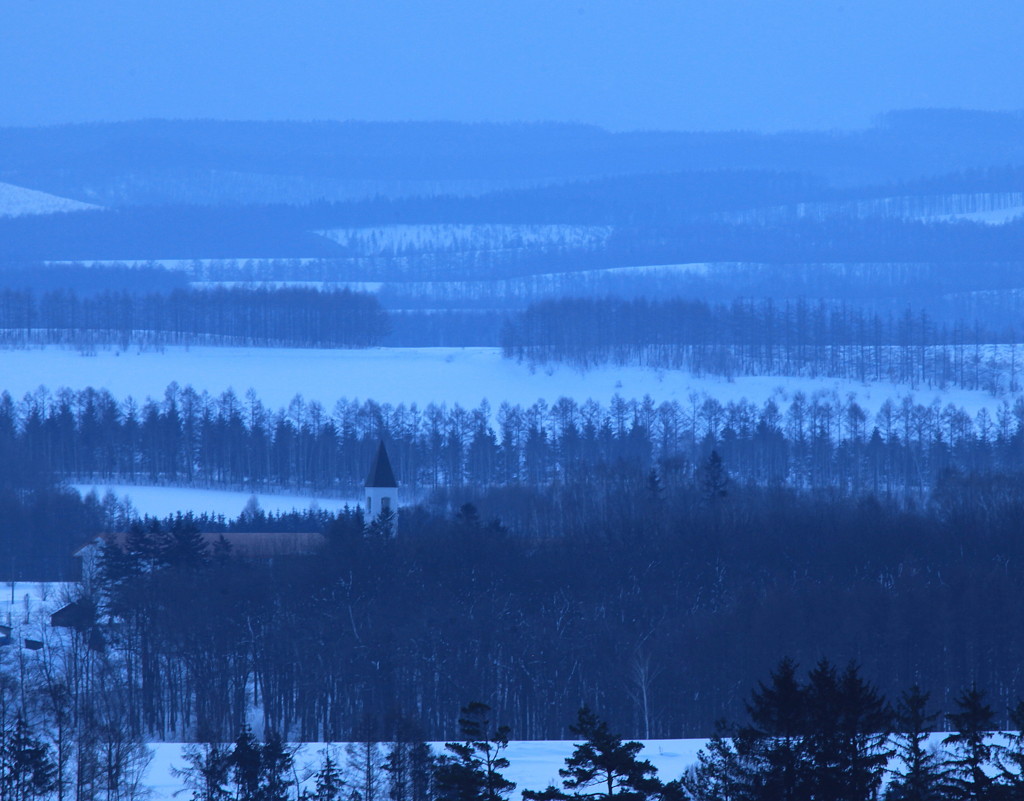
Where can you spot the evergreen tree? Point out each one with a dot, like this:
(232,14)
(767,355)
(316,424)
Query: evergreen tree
(31,772)
(246,766)
(276,762)
(971,749)
(714,480)
(774,744)
(471,770)
(182,545)
(721,773)
(920,775)
(602,766)
(847,732)
(1011,759)
(384,525)
(207,771)
(329,781)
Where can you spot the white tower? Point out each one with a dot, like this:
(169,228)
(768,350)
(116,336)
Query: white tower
(381,487)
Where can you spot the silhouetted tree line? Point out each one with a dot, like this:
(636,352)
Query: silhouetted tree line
(660,600)
(834,736)
(763,338)
(819,441)
(220,316)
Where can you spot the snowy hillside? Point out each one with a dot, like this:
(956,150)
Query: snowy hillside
(453,237)
(16,201)
(409,375)
(163,501)
(534,764)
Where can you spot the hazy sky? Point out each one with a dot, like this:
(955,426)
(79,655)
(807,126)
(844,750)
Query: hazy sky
(623,64)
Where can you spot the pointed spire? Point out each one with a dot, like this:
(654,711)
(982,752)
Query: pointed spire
(381,474)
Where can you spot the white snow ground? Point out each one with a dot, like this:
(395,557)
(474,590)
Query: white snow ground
(991,217)
(162,501)
(448,236)
(534,764)
(16,201)
(406,375)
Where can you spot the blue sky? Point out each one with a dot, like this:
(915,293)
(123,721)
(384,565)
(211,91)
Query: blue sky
(630,64)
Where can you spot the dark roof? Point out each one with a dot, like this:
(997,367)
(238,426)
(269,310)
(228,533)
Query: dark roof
(381,474)
(78,615)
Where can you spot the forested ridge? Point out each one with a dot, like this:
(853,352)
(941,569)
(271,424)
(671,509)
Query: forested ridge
(661,604)
(291,316)
(820,440)
(652,561)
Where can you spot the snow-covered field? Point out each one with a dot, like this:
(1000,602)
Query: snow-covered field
(162,501)
(406,375)
(992,217)
(395,238)
(320,286)
(534,764)
(16,201)
(22,601)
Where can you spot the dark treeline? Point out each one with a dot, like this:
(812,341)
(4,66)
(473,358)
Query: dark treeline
(832,736)
(835,736)
(819,441)
(765,338)
(42,525)
(86,280)
(290,316)
(660,603)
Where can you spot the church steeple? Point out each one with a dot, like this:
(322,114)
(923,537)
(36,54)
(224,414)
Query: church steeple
(381,474)
(381,488)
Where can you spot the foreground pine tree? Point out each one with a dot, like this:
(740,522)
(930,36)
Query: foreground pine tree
(602,766)
(971,748)
(329,782)
(30,771)
(206,772)
(774,743)
(471,770)
(1011,759)
(921,775)
(848,724)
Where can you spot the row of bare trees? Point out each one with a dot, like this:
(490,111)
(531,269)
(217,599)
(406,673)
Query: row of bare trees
(817,440)
(765,338)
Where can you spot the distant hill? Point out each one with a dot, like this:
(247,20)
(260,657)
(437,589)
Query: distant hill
(215,162)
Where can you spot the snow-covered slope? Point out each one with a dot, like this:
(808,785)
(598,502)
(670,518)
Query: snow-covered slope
(16,201)
(534,764)
(162,501)
(455,237)
(409,375)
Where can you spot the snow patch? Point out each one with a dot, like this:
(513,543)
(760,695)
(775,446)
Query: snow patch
(388,239)
(17,201)
(413,375)
(163,501)
(534,764)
